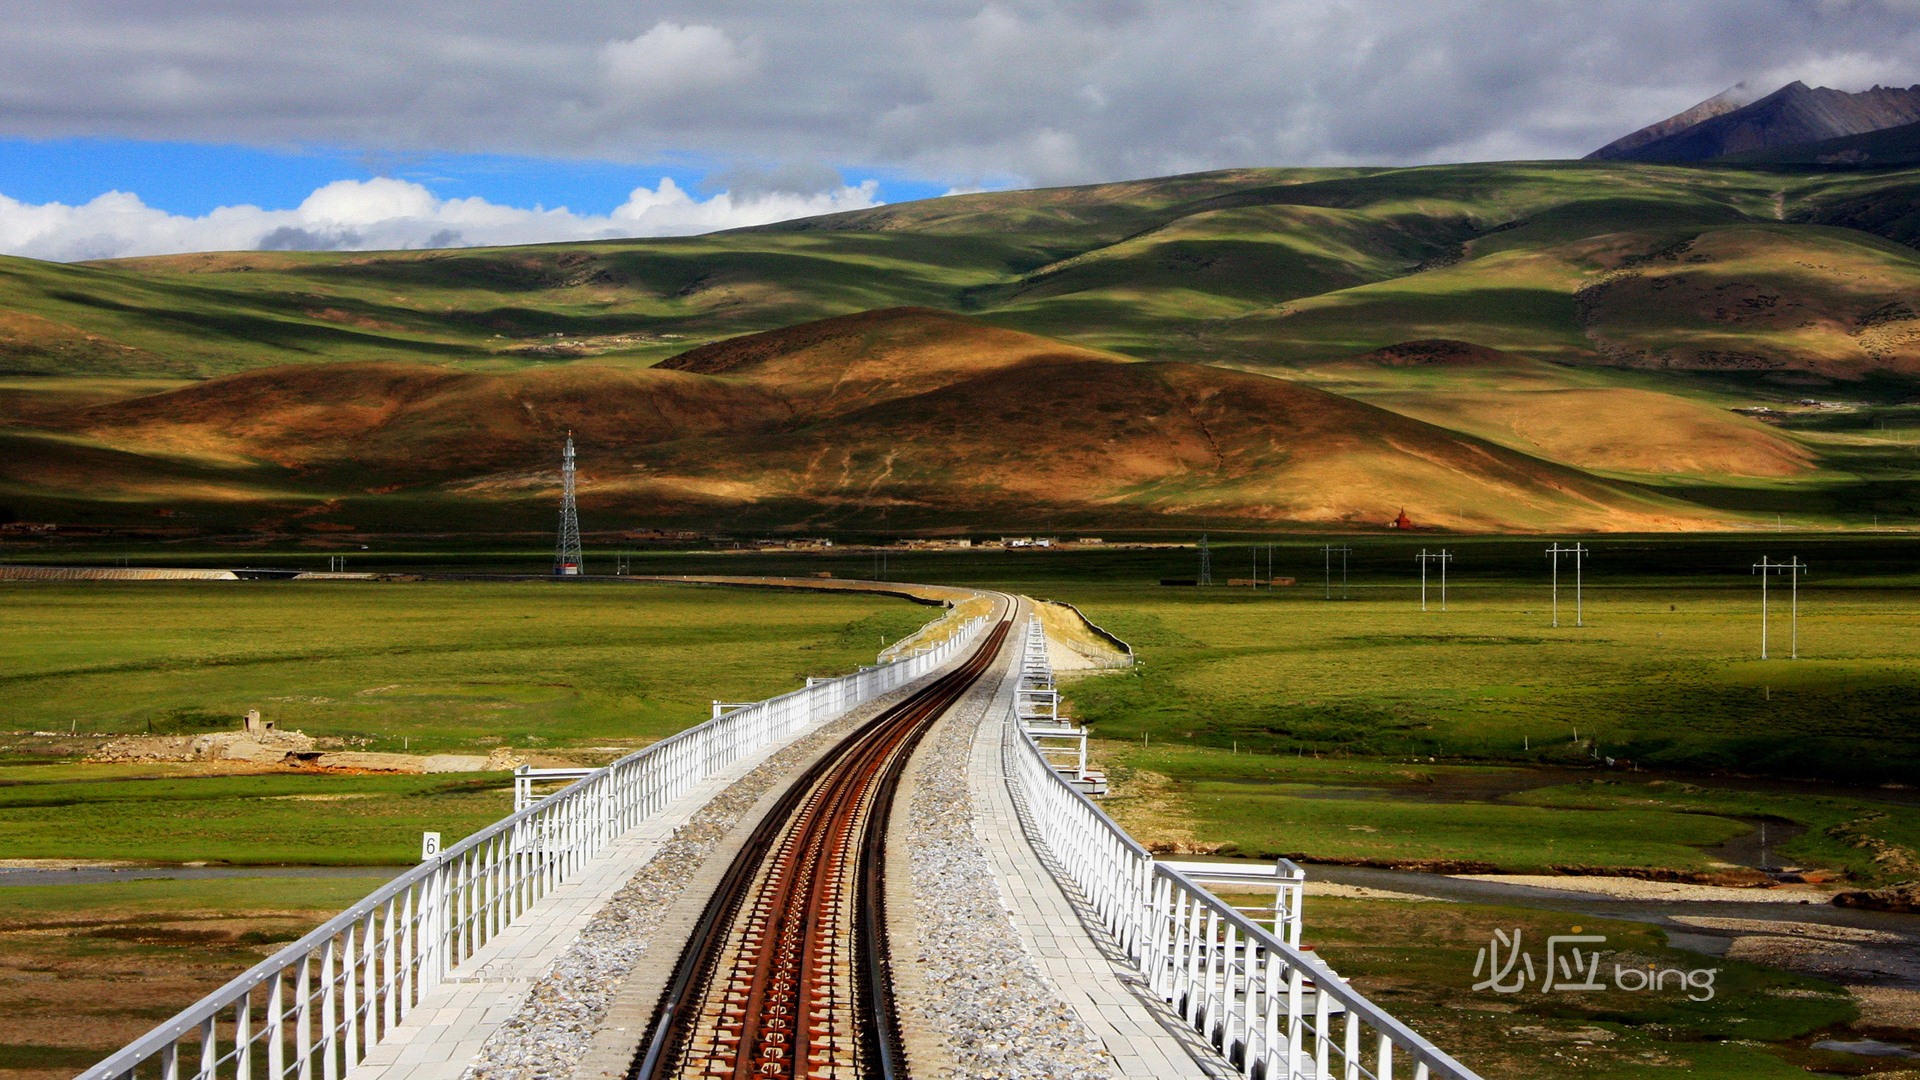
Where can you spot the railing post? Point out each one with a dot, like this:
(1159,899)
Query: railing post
(329,1020)
(243,1037)
(302,1021)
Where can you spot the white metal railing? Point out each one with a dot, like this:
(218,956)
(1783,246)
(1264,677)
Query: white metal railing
(1270,1008)
(526,776)
(314,1009)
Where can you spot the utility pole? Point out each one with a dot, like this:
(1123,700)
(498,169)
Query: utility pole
(1795,568)
(1442,557)
(1344,550)
(1206,561)
(1579,553)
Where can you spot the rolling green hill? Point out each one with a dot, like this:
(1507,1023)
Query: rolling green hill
(1665,296)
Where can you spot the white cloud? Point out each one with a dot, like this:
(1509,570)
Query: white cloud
(674,58)
(378,214)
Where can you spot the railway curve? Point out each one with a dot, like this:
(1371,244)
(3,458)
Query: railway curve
(787,972)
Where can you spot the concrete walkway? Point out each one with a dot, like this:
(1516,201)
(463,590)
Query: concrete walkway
(1059,930)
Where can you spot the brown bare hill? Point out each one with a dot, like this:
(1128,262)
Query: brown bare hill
(1563,413)
(1144,442)
(835,365)
(414,420)
(900,417)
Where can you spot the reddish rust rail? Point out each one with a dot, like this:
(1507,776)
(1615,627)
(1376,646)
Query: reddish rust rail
(787,972)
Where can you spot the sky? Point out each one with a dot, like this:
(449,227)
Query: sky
(132,128)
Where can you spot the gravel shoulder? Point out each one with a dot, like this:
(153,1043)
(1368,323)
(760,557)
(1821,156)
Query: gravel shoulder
(974,1003)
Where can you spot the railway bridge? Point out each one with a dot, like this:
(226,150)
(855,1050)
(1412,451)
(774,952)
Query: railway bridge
(893,873)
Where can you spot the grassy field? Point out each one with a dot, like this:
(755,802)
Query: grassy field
(1661,677)
(1258,723)
(465,667)
(437,666)
(1418,961)
(277,818)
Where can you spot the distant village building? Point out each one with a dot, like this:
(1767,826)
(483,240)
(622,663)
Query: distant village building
(1403,521)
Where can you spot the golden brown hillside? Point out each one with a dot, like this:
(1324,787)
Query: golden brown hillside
(1762,299)
(836,365)
(898,415)
(1564,414)
(410,420)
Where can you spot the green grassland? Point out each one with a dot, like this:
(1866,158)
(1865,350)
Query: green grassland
(1258,723)
(422,667)
(1124,266)
(1510,819)
(317,820)
(434,666)
(1279,720)
(1662,677)
(1418,961)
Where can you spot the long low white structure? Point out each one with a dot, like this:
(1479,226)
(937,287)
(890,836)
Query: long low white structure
(314,1010)
(1270,1009)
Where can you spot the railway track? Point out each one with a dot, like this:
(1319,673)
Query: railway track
(787,972)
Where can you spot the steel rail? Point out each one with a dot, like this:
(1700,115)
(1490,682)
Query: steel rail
(762,977)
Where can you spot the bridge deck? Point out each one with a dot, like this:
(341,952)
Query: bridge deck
(443,1035)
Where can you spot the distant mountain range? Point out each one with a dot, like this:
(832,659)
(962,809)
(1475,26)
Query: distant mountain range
(1518,346)
(1736,123)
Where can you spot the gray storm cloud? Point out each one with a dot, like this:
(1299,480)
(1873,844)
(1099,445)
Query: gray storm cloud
(1020,92)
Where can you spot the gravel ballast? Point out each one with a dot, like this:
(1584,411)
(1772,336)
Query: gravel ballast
(987,1003)
(554,1028)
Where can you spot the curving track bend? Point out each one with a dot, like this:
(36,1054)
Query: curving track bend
(787,972)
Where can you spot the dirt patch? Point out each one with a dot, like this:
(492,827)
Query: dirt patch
(1846,962)
(1073,644)
(1903,898)
(1155,812)
(1361,892)
(1634,888)
(1887,1007)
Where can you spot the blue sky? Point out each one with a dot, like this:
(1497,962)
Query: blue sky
(195,178)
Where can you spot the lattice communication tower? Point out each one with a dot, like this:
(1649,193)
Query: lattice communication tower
(566,554)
